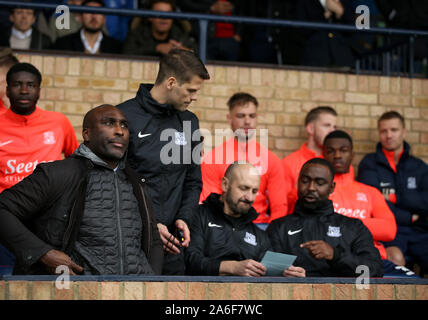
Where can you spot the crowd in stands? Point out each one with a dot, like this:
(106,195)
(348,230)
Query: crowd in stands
(96,33)
(119,204)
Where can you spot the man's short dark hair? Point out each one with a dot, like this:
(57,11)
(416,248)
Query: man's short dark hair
(100,2)
(23,67)
(322,162)
(391,115)
(241,98)
(315,113)
(182,65)
(11,10)
(7,59)
(151,3)
(338,134)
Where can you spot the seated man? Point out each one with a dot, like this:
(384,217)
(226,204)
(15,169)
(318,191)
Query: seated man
(90,38)
(158,36)
(357,200)
(403,180)
(23,34)
(270,202)
(224,239)
(89,212)
(326,244)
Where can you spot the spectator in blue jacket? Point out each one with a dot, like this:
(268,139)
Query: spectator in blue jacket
(403,180)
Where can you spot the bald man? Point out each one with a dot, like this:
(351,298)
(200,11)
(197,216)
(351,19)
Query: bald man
(89,212)
(225,241)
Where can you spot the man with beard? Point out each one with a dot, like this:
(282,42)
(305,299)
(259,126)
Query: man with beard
(90,39)
(224,239)
(270,202)
(326,244)
(89,212)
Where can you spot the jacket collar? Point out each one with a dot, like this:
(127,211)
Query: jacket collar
(213,200)
(84,152)
(150,105)
(326,208)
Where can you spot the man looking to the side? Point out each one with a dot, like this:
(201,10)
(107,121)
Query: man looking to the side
(89,212)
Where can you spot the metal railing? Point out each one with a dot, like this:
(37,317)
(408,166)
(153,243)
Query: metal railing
(204,19)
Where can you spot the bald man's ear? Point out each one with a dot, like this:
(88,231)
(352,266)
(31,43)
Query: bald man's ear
(225,184)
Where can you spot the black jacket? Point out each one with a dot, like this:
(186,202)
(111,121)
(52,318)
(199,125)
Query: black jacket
(73,42)
(351,240)
(44,212)
(217,237)
(164,146)
(410,184)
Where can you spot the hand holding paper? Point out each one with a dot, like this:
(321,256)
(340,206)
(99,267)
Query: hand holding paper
(280,264)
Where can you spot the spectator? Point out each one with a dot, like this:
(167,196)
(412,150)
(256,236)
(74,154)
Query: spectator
(224,239)
(357,200)
(319,122)
(270,202)
(73,206)
(326,244)
(22,34)
(7,60)
(223,39)
(165,147)
(90,39)
(403,180)
(326,48)
(158,36)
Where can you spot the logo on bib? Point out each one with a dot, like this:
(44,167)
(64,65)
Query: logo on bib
(49,137)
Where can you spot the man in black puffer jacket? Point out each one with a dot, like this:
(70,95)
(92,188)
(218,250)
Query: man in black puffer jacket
(327,244)
(89,212)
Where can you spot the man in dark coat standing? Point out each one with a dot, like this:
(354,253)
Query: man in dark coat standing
(165,147)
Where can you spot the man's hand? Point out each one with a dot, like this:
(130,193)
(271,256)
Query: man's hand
(294,272)
(319,249)
(170,243)
(221,7)
(54,258)
(246,268)
(181,225)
